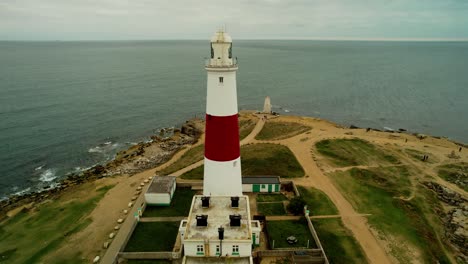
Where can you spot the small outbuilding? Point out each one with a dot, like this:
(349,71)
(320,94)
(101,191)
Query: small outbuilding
(161,190)
(269,184)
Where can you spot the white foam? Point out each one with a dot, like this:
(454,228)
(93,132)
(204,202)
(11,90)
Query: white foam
(48,175)
(39,168)
(22,191)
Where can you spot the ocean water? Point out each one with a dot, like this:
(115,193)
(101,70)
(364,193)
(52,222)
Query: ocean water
(65,106)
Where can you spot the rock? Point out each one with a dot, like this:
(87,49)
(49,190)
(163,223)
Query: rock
(353,127)
(138,188)
(150,178)
(117,227)
(348,133)
(125,211)
(106,244)
(112,235)
(130,204)
(120,220)
(134,198)
(145,181)
(96,259)
(142,184)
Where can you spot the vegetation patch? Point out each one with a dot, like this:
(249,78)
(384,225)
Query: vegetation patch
(353,152)
(280,130)
(262,159)
(180,205)
(271,208)
(279,231)
(403,221)
(270,159)
(456,173)
(276,197)
(338,242)
(317,201)
(153,237)
(418,155)
(191,156)
(193,174)
(44,230)
(245,127)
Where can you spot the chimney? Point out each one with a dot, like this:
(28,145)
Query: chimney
(221,233)
(235,220)
(205,200)
(235,202)
(202,220)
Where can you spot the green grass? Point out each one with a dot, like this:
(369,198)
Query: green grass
(280,130)
(271,208)
(376,192)
(417,155)
(270,159)
(262,159)
(352,152)
(194,174)
(456,173)
(271,197)
(317,201)
(180,205)
(245,128)
(280,230)
(192,155)
(153,237)
(29,236)
(339,244)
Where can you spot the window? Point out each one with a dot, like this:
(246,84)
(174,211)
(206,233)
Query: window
(212,51)
(235,249)
(230,51)
(263,185)
(221,79)
(217,249)
(200,250)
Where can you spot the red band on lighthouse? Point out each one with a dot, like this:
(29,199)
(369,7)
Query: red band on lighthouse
(222,138)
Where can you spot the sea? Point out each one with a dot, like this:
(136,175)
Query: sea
(66,106)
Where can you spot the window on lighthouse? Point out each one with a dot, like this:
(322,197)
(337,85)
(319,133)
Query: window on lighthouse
(230,51)
(221,79)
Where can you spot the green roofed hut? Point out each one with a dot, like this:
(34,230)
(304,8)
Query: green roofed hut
(161,190)
(268,184)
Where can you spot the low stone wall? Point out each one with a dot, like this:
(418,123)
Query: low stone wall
(316,238)
(283,252)
(296,192)
(150,255)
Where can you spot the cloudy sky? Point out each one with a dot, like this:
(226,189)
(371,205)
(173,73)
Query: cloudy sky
(244,19)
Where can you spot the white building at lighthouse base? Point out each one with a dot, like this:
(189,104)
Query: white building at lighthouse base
(200,232)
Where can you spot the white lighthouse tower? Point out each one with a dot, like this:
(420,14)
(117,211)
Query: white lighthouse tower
(222,174)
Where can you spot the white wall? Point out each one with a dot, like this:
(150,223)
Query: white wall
(222,178)
(157,198)
(245,247)
(247,188)
(221,99)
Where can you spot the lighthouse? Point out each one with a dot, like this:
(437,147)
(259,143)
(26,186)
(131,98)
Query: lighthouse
(222,172)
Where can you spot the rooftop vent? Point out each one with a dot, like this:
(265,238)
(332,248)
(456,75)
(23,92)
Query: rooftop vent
(235,202)
(202,220)
(221,233)
(235,220)
(205,201)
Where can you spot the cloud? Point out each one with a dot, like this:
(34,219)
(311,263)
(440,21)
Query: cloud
(181,19)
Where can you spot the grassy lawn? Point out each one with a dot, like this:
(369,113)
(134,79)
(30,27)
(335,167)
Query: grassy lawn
(192,155)
(278,231)
(280,130)
(270,159)
(262,159)
(417,155)
(245,127)
(405,223)
(352,152)
(153,236)
(339,244)
(271,197)
(272,208)
(317,201)
(455,173)
(180,205)
(29,236)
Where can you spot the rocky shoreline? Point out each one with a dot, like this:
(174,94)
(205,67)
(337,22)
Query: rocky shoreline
(140,157)
(455,220)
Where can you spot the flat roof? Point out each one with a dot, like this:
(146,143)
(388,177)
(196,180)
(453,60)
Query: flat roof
(218,215)
(161,184)
(260,180)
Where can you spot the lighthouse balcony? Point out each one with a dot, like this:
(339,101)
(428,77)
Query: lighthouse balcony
(221,64)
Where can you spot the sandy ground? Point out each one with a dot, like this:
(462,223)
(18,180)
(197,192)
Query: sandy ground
(110,208)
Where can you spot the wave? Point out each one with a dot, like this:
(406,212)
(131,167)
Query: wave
(104,147)
(27,190)
(48,175)
(39,168)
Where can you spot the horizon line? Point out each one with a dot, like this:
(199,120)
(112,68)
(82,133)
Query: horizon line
(286,38)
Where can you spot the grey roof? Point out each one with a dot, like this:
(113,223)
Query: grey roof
(161,184)
(260,180)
